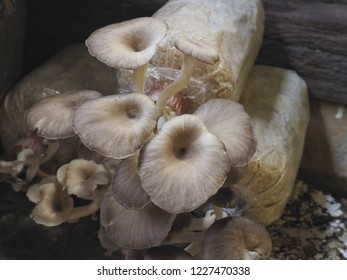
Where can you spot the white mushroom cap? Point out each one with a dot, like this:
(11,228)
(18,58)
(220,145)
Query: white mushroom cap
(236,238)
(228,121)
(52,116)
(82,177)
(116,125)
(55,206)
(183,165)
(134,229)
(127,187)
(33,193)
(128,44)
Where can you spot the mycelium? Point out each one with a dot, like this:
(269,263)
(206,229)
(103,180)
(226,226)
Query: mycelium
(129,44)
(52,116)
(183,165)
(124,121)
(236,238)
(193,53)
(134,229)
(126,185)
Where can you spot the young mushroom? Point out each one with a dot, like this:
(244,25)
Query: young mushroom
(126,185)
(134,229)
(183,165)
(236,238)
(116,125)
(129,44)
(228,121)
(52,116)
(193,53)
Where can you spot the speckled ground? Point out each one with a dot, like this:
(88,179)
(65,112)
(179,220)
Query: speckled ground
(313,226)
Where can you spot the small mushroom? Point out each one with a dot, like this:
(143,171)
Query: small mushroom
(129,44)
(126,185)
(165,252)
(82,177)
(52,116)
(193,53)
(134,229)
(228,121)
(33,193)
(236,238)
(183,165)
(116,125)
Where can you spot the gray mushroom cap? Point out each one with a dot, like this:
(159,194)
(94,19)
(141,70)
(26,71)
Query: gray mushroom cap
(116,125)
(236,238)
(183,165)
(229,121)
(128,44)
(134,229)
(52,116)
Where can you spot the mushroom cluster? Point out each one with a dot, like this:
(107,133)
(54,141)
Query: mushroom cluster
(164,183)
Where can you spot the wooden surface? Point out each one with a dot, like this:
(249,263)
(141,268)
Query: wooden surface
(309,37)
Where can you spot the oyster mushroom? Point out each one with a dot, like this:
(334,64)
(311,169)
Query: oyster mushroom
(129,44)
(134,229)
(82,177)
(116,125)
(228,121)
(193,53)
(52,116)
(236,238)
(126,185)
(183,165)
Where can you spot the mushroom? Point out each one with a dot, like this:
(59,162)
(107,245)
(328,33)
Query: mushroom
(236,238)
(129,44)
(106,243)
(165,252)
(183,165)
(33,193)
(228,121)
(56,207)
(82,177)
(116,125)
(126,185)
(193,53)
(12,168)
(52,116)
(134,229)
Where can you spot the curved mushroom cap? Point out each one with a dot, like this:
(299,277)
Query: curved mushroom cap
(116,125)
(183,165)
(128,44)
(236,238)
(197,49)
(134,229)
(164,252)
(52,116)
(127,187)
(232,125)
(54,207)
(33,193)
(82,177)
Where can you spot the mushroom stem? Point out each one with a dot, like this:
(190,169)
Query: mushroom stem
(140,78)
(193,248)
(83,211)
(189,64)
(202,223)
(218,211)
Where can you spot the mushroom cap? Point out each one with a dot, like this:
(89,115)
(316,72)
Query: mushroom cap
(183,165)
(52,116)
(126,185)
(134,229)
(116,125)
(164,252)
(236,238)
(228,121)
(197,49)
(82,177)
(54,207)
(128,44)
